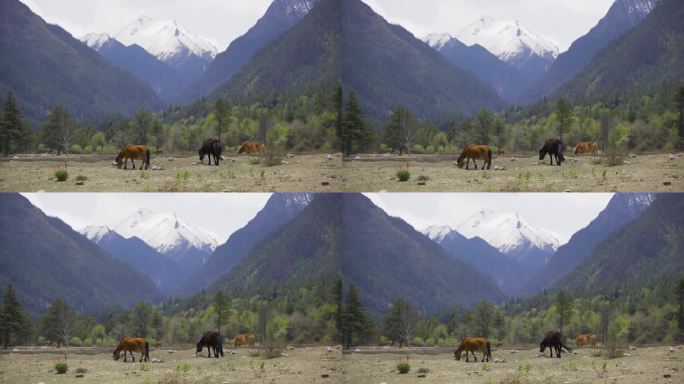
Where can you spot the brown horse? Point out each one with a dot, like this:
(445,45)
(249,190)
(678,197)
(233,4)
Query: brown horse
(554,341)
(211,340)
(130,344)
(243,339)
(586,147)
(472,344)
(133,152)
(586,339)
(553,147)
(476,152)
(251,148)
(211,147)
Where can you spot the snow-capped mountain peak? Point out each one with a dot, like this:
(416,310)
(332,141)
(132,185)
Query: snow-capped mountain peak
(437,232)
(165,232)
(96,40)
(95,233)
(507,231)
(166,39)
(437,40)
(508,39)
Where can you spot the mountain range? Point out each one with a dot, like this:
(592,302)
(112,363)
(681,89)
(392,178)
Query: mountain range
(45,259)
(622,16)
(46,67)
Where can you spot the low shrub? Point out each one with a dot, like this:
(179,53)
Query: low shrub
(61,175)
(403,175)
(403,368)
(61,368)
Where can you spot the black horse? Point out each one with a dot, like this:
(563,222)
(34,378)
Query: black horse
(553,147)
(553,340)
(211,340)
(211,147)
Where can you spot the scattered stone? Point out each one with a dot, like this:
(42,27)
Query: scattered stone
(632,156)
(357,158)
(499,168)
(423,370)
(357,350)
(325,375)
(329,157)
(290,348)
(671,349)
(499,360)
(79,183)
(513,351)
(421,183)
(325,183)
(170,351)
(328,349)
(672,157)
(157,360)
(290,156)
(171,159)
(632,348)
(15,158)
(512,159)
(80,375)
(421,376)
(15,350)
(667,375)
(156,168)
(667,183)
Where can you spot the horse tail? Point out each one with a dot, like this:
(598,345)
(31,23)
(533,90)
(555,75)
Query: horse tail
(566,347)
(241,149)
(147,157)
(220,346)
(147,345)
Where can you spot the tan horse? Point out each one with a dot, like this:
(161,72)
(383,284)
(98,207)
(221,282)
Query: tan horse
(243,339)
(130,344)
(586,147)
(133,152)
(586,339)
(251,148)
(473,344)
(475,152)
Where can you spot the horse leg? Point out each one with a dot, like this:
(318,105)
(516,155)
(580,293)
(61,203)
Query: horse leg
(475,162)
(133,162)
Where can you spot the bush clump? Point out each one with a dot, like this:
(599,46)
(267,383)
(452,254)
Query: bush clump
(61,368)
(61,175)
(403,368)
(403,175)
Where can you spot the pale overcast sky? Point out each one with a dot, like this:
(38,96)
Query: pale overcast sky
(219,214)
(570,212)
(221,21)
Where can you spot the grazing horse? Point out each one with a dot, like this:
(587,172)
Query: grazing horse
(243,339)
(476,152)
(251,148)
(211,340)
(130,344)
(553,340)
(586,339)
(211,147)
(553,147)
(472,344)
(586,147)
(133,152)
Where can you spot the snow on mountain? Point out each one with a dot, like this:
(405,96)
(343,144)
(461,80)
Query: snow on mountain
(636,9)
(297,8)
(96,40)
(437,232)
(508,39)
(508,232)
(165,39)
(95,233)
(165,232)
(437,40)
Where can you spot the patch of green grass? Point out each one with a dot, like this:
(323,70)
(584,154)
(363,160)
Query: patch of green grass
(403,368)
(185,175)
(61,368)
(526,176)
(61,175)
(486,175)
(403,175)
(184,368)
(144,175)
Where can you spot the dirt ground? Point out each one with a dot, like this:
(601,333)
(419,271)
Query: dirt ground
(301,365)
(329,173)
(643,365)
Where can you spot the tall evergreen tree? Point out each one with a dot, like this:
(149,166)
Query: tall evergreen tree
(680,314)
(354,319)
(13,320)
(354,126)
(401,322)
(485,121)
(565,308)
(339,303)
(58,129)
(12,125)
(679,100)
(338,105)
(564,116)
(141,318)
(58,323)
(220,308)
(484,315)
(222,113)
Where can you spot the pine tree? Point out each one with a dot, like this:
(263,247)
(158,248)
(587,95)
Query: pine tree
(58,323)
(338,310)
(338,105)
(13,318)
(222,113)
(485,121)
(564,116)
(354,320)
(57,131)
(565,308)
(141,318)
(401,322)
(484,315)
(220,308)
(354,126)
(679,99)
(680,314)
(12,125)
